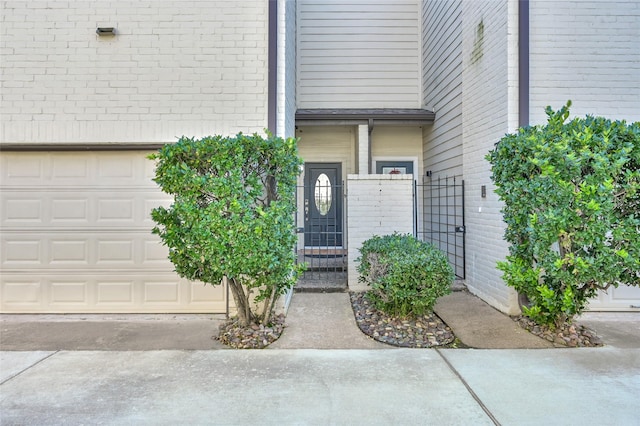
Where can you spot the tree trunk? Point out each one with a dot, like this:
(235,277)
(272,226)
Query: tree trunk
(242,302)
(268,307)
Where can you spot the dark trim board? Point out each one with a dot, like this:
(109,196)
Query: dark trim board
(377,115)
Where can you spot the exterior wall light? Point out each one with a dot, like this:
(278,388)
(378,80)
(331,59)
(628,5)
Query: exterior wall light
(106,31)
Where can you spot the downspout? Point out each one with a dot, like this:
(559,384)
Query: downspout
(272,53)
(370,159)
(523,63)
(523,86)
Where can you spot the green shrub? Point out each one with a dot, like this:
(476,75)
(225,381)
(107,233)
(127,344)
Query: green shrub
(407,276)
(232,215)
(571,193)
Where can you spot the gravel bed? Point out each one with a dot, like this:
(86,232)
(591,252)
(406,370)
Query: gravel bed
(569,335)
(424,331)
(253,337)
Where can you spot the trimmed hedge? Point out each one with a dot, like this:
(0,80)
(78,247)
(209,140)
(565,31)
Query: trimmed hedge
(571,193)
(407,276)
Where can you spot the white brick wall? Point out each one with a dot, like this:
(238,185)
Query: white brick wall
(377,205)
(589,52)
(489,110)
(191,67)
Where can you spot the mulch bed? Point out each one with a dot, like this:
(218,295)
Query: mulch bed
(425,331)
(253,337)
(569,335)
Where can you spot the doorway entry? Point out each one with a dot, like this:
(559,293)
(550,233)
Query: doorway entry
(322,227)
(323,205)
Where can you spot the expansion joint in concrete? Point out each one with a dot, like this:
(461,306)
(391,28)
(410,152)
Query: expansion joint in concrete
(468,387)
(28,368)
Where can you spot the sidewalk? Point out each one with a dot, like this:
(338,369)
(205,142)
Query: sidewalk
(322,387)
(329,386)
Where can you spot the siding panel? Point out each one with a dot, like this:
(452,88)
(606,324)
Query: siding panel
(358,54)
(442,88)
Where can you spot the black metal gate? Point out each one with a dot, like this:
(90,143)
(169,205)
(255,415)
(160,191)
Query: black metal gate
(439,218)
(319,222)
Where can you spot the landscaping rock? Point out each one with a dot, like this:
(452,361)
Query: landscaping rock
(252,337)
(569,335)
(423,331)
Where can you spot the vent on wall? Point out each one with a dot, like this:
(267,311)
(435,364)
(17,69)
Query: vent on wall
(106,31)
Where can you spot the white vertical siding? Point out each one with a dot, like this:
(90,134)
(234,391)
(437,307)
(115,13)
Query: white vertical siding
(586,51)
(190,67)
(488,112)
(358,54)
(442,88)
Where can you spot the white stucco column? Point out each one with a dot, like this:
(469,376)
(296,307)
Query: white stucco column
(364,146)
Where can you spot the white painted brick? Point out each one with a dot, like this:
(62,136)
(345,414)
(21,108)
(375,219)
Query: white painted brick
(377,205)
(177,55)
(489,110)
(589,52)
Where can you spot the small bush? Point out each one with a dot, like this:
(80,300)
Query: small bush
(407,276)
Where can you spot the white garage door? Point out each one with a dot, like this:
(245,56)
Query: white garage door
(76,237)
(623,298)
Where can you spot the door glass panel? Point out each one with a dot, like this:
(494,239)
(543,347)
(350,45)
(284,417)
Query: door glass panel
(323,194)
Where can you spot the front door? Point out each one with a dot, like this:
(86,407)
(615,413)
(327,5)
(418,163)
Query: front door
(323,205)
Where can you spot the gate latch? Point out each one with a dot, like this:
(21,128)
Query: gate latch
(460,229)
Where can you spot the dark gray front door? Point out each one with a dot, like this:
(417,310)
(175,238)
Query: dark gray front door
(323,205)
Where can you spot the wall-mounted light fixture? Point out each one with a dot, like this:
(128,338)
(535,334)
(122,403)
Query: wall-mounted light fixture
(106,31)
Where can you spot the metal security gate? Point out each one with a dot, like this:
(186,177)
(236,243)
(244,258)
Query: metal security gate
(320,222)
(439,218)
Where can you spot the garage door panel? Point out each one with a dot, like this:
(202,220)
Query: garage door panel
(22,252)
(22,169)
(64,166)
(74,211)
(74,169)
(65,251)
(20,292)
(21,210)
(109,293)
(69,292)
(130,250)
(84,208)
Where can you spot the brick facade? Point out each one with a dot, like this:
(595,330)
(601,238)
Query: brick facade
(376,205)
(173,68)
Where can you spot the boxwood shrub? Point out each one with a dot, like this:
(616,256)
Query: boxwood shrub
(406,275)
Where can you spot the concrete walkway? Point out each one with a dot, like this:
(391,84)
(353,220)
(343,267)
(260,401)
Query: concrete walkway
(481,326)
(323,321)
